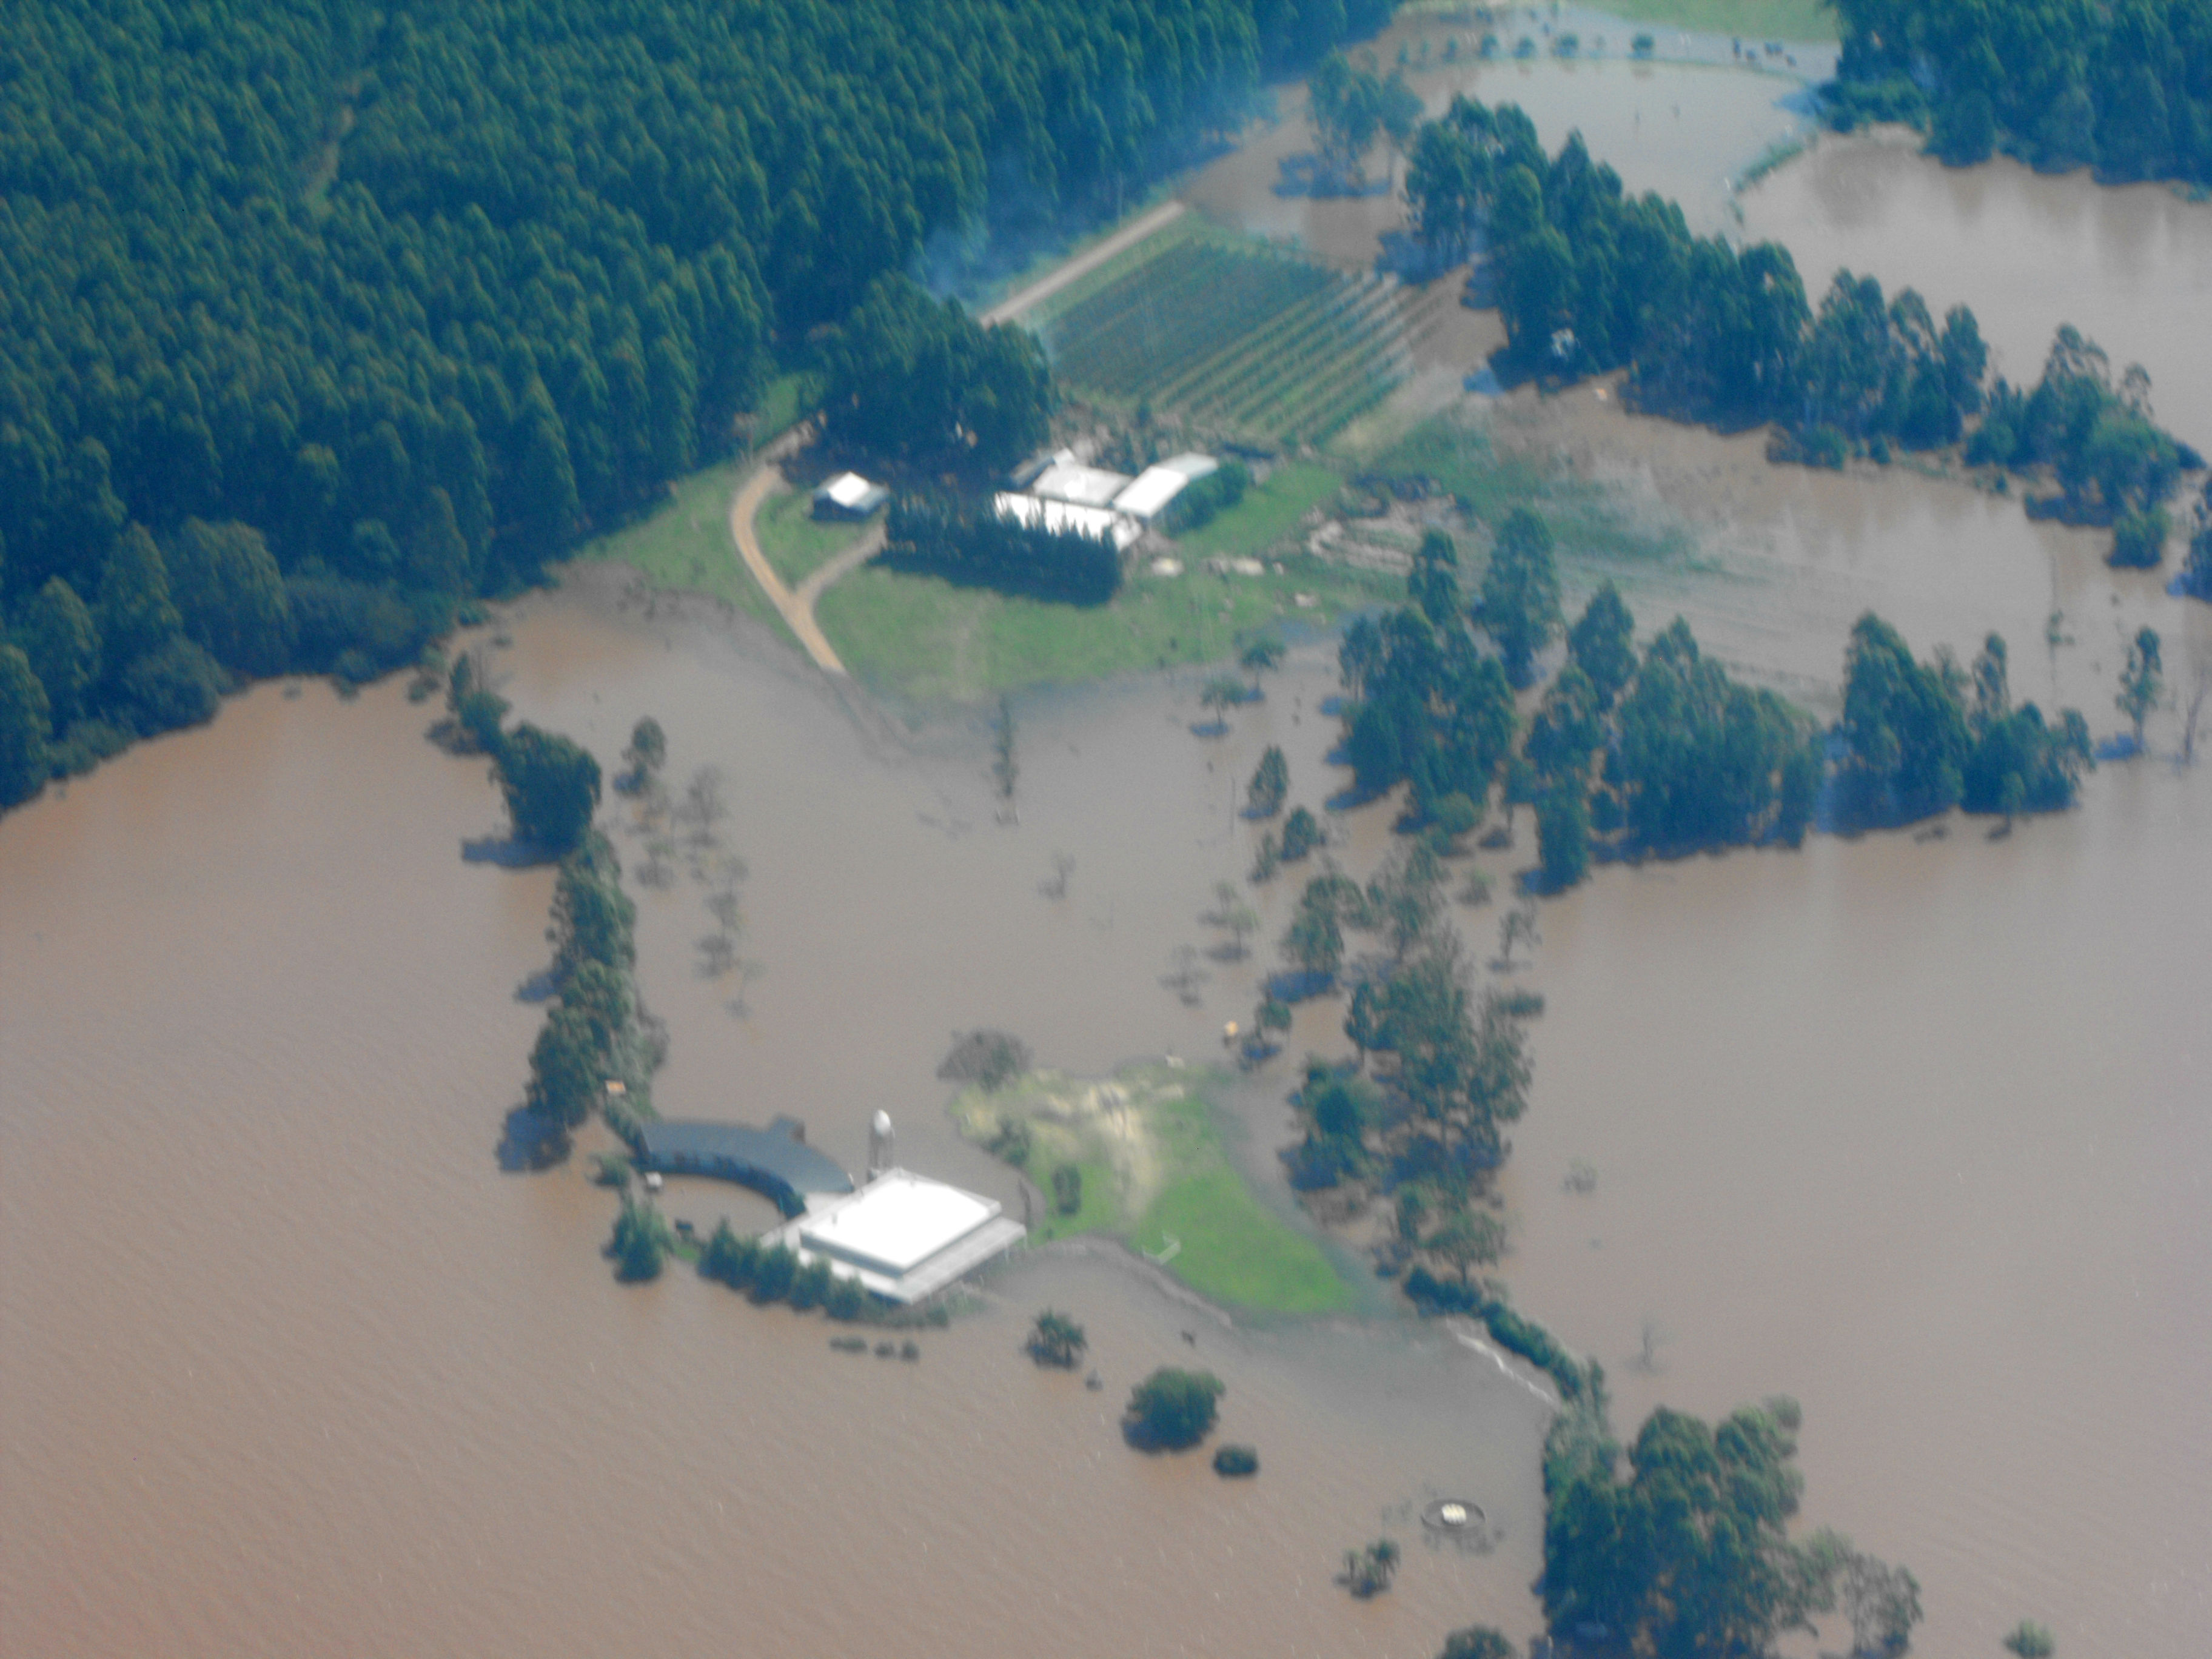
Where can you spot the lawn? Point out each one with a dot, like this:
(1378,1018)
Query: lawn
(796,545)
(1754,20)
(1265,519)
(923,639)
(685,546)
(1156,1173)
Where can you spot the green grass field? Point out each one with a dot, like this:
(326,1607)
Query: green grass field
(922,639)
(1266,521)
(1754,20)
(1227,1246)
(795,544)
(686,546)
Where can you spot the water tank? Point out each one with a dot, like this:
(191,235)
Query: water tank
(881,1146)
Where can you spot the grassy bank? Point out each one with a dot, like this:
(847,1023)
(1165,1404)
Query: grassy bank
(1156,1175)
(686,546)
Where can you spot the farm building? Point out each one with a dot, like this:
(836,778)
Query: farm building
(1078,485)
(848,496)
(1034,512)
(1147,496)
(903,1236)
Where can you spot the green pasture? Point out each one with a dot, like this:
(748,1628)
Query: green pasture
(684,544)
(1754,20)
(797,544)
(925,640)
(1155,1174)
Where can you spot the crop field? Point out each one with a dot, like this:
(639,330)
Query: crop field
(1238,337)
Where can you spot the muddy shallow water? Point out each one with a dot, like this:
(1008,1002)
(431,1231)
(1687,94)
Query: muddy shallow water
(292,1367)
(1915,1130)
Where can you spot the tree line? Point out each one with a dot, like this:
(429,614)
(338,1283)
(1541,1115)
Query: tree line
(408,298)
(1590,280)
(2125,88)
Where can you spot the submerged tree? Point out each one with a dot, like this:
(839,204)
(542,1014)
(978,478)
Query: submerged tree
(1056,1339)
(1172,1409)
(2141,681)
(1520,605)
(551,786)
(1271,783)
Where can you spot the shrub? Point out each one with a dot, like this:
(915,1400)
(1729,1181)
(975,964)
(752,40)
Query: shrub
(642,1239)
(2030,1640)
(1203,500)
(1172,1409)
(1066,1189)
(729,1257)
(811,1285)
(1056,1339)
(2139,539)
(1369,1571)
(1010,1143)
(848,1301)
(1237,1460)
(992,1059)
(772,1273)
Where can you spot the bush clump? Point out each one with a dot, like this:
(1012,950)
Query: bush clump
(1235,1461)
(1172,1409)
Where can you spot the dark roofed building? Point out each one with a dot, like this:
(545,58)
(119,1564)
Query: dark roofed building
(776,1160)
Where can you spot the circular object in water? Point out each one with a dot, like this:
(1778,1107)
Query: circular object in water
(1453,1515)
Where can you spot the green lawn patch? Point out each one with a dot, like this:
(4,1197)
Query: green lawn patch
(1754,20)
(685,544)
(1266,520)
(1237,1253)
(1156,1173)
(784,402)
(796,542)
(925,640)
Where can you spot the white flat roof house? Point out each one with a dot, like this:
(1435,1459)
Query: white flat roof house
(902,1236)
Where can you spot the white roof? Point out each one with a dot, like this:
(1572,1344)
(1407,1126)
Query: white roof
(1191,464)
(895,1221)
(847,489)
(1040,514)
(902,1236)
(1084,486)
(1155,486)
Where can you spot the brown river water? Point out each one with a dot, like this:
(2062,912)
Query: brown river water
(1916,1130)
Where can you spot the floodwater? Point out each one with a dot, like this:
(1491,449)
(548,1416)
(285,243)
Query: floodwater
(291,1366)
(1914,1130)
(1918,1132)
(1686,131)
(2130,267)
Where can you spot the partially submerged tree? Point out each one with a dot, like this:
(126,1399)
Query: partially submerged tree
(2141,681)
(1172,1409)
(1369,1571)
(1270,782)
(551,786)
(1520,606)
(1056,1339)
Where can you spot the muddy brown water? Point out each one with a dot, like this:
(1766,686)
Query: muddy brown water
(2132,267)
(1913,1130)
(291,1367)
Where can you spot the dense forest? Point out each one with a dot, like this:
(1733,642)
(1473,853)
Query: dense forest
(1590,279)
(393,302)
(2124,88)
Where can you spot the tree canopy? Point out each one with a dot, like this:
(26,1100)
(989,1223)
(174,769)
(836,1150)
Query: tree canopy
(2061,83)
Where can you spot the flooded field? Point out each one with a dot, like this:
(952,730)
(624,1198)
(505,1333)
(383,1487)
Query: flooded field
(1913,1129)
(2131,268)
(295,1369)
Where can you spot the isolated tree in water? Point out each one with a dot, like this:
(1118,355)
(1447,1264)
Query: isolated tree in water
(1171,1409)
(1271,782)
(1056,1339)
(2141,680)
